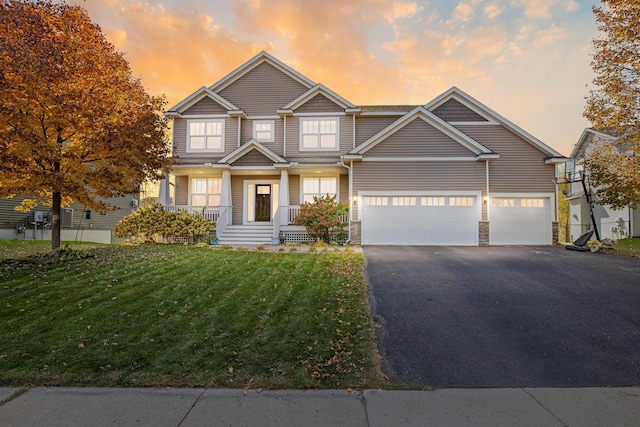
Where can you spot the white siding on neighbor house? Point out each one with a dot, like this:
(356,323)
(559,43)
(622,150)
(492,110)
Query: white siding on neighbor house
(263,91)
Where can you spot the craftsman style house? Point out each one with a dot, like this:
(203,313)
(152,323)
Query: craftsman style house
(264,139)
(610,223)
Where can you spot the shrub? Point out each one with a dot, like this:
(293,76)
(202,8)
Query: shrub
(322,219)
(152,223)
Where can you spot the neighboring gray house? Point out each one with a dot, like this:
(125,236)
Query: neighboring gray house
(613,224)
(262,140)
(77,222)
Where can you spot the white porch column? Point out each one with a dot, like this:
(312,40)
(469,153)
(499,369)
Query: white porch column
(283,197)
(225,191)
(164,198)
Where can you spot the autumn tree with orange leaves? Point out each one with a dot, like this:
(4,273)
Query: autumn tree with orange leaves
(613,107)
(75,125)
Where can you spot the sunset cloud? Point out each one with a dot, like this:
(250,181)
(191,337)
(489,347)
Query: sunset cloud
(518,56)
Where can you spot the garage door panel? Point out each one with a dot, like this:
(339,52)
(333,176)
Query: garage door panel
(520,221)
(421,223)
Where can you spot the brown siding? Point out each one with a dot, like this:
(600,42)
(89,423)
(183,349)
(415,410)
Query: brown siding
(319,103)
(205,106)
(263,90)
(521,166)
(454,111)
(418,138)
(182,190)
(418,176)
(253,158)
(366,127)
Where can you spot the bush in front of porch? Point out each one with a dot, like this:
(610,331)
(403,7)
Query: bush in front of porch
(324,219)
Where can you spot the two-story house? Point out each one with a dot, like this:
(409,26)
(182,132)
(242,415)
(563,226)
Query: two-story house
(264,139)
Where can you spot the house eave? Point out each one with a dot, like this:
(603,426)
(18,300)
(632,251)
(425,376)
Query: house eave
(555,160)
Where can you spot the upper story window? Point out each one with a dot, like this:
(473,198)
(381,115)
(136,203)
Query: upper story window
(318,187)
(205,135)
(263,130)
(319,134)
(206,191)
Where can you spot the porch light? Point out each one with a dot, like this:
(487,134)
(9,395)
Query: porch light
(485,199)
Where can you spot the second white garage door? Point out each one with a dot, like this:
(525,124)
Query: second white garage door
(520,221)
(420,220)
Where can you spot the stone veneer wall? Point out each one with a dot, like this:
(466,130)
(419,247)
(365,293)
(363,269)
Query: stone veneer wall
(554,232)
(483,233)
(356,231)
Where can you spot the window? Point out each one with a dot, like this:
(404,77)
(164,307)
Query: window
(319,134)
(532,203)
(376,201)
(433,201)
(460,201)
(318,187)
(403,201)
(205,135)
(263,130)
(205,191)
(503,203)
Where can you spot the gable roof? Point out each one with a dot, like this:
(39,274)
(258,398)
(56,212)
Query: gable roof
(197,96)
(239,152)
(421,113)
(319,89)
(587,135)
(491,116)
(253,63)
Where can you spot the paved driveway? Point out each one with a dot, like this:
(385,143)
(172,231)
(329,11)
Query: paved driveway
(506,316)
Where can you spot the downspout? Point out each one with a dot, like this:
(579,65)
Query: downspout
(350,197)
(487,189)
(354,131)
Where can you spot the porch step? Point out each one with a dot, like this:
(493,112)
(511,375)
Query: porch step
(246,235)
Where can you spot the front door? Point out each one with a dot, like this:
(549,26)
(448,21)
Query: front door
(263,202)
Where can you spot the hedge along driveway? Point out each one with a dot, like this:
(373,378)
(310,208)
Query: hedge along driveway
(187,316)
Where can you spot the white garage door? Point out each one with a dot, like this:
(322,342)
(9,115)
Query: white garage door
(520,221)
(420,220)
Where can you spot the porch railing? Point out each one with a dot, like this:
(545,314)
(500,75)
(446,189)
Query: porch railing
(212,212)
(294,210)
(224,219)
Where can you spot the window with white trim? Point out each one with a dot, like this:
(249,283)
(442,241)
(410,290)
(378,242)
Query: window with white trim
(206,191)
(532,203)
(205,135)
(460,201)
(319,134)
(318,187)
(263,130)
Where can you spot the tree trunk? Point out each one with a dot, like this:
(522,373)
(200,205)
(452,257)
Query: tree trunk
(55,221)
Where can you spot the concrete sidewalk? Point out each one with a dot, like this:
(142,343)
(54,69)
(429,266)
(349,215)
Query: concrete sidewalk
(225,407)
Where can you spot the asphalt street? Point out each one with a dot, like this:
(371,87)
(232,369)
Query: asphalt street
(506,316)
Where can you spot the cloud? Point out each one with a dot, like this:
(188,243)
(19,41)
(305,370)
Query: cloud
(492,10)
(461,13)
(401,9)
(537,8)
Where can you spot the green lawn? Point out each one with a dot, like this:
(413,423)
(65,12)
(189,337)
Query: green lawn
(185,316)
(630,246)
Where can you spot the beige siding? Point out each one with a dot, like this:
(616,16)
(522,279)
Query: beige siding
(237,193)
(294,189)
(418,176)
(454,111)
(344,189)
(521,166)
(276,146)
(366,127)
(253,158)
(205,106)
(418,139)
(319,103)
(182,190)
(263,90)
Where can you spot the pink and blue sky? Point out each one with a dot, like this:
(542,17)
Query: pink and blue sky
(528,60)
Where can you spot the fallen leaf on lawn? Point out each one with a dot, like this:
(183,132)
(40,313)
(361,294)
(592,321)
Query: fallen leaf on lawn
(81,345)
(230,368)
